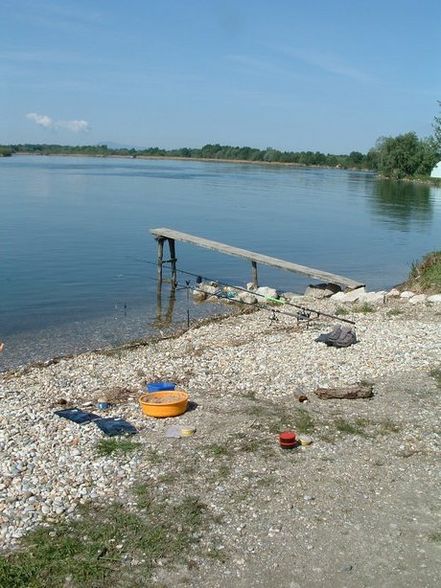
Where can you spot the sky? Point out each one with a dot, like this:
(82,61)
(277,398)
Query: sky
(322,75)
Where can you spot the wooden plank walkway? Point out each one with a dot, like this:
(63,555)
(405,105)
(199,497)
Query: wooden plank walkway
(171,235)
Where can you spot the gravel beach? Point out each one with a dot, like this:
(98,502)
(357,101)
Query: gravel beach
(360,506)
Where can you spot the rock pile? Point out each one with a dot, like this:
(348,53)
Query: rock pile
(360,295)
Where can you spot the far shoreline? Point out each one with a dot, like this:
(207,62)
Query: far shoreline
(199,159)
(435,182)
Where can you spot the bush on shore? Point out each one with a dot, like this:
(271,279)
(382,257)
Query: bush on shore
(425,275)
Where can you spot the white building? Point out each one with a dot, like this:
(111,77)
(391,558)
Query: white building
(436,172)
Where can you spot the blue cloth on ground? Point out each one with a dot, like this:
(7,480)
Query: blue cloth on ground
(77,415)
(115,426)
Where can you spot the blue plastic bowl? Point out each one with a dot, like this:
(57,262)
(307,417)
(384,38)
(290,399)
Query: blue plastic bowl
(160,386)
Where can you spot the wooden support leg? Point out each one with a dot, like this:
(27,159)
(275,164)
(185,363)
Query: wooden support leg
(159,260)
(171,244)
(254,274)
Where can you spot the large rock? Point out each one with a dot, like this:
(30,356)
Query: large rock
(351,296)
(417,299)
(338,297)
(434,298)
(292,296)
(407,294)
(320,291)
(199,296)
(266,292)
(247,298)
(394,293)
(359,390)
(208,287)
(354,295)
(214,299)
(374,297)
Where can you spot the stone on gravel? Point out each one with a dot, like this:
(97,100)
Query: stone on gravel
(320,291)
(208,287)
(338,297)
(360,390)
(292,297)
(355,294)
(417,299)
(248,298)
(374,297)
(434,298)
(266,292)
(199,296)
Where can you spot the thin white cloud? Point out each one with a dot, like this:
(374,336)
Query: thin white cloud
(54,14)
(329,63)
(261,66)
(76,126)
(31,56)
(43,120)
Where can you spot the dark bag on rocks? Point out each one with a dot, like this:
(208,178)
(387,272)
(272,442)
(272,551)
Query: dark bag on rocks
(340,336)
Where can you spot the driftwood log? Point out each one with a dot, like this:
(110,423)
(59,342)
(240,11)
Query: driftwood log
(358,390)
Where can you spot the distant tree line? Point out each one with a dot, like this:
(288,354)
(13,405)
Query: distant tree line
(404,156)
(211,151)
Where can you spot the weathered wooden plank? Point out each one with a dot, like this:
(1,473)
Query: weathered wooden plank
(255,257)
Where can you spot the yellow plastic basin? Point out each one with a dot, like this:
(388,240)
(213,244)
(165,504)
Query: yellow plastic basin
(169,403)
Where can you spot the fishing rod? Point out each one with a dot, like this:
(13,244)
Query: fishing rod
(220,294)
(302,308)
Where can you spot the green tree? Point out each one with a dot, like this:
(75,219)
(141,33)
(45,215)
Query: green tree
(405,156)
(437,131)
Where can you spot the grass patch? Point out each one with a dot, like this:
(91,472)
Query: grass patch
(218,450)
(250,394)
(425,275)
(253,445)
(436,375)
(364,308)
(106,447)
(108,545)
(328,437)
(394,312)
(361,427)
(168,478)
(277,419)
(341,311)
(357,427)
(388,427)
(223,472)
(435,537)
(304,423)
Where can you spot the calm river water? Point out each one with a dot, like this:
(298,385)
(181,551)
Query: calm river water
(76,252)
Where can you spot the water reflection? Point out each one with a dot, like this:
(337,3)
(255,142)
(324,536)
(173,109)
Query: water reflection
(403,205)
(164,319)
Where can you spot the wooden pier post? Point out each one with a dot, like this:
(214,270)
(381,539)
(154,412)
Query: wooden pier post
(171,244)
(254,274)
(159,258)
